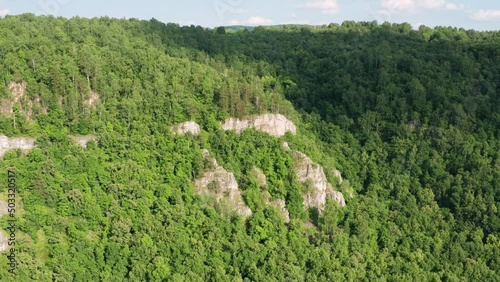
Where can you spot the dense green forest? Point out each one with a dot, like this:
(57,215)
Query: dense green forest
(410,117)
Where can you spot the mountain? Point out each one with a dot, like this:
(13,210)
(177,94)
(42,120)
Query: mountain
(138,150)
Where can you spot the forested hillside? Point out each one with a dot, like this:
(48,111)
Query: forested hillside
(109,190)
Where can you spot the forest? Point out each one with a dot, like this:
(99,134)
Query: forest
(410,117)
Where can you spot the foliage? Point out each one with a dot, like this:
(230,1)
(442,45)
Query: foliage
(410,117)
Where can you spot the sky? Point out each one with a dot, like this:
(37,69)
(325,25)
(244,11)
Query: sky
(470,14)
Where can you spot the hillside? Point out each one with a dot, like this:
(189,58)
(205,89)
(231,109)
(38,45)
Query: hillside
(146,151)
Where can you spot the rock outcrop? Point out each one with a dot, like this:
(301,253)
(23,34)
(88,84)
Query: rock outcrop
(26,106)
(222,185)
(279,204)
(337,196)
(92,99)
(286,146)
(15,143)
(26,144)
(3,208)
(186,127)
(338,175)
(319,189)
(4,246)
(83,140)
(273,124)
(3,238)
(17,89)
(260,176)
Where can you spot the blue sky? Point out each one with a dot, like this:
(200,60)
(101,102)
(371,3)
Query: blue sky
(478,14)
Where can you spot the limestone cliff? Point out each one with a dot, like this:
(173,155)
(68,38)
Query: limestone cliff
(186,127)
(319,188)
(222,185)
(25,144)
(273,124)
(15,143)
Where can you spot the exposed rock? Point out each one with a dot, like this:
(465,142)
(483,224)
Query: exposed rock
(279,204)
(92,100)
(286,146)
(14,143)
(26,106)
(186,127)
(3,208)
(260,176)
(17,89)
(83,140)
(311,173)
(4,246)
(3,239)
(221,184)
(338,175)
(7,107)
(273,124)
(339,197)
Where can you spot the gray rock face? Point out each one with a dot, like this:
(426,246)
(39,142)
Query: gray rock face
(15,143)
(286,146)
(3,208)
(261,177)
(4,246)
(92,99)
(279,204)
(221,184)
(17,91)
(311,173)
(274,124)
(338,175)
(339,197)
(26,144)
(83,140)
(3,238)
(26,105)
(186,127)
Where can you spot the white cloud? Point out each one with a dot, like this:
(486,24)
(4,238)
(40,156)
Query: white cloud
(432,4)
(234,22)
(453,6)
(327,7)
(397,6)
(486,15)
(259,21)
(4,12)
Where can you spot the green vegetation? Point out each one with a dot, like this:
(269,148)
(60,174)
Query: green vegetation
(411,118)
